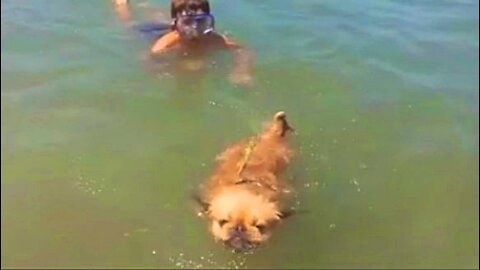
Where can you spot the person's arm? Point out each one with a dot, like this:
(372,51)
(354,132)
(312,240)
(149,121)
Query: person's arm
(122,9)
(243,62)
(165,42)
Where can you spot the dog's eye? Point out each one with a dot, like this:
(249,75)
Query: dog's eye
(261,228)
(222,222)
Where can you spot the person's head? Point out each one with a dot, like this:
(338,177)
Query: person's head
(192,18)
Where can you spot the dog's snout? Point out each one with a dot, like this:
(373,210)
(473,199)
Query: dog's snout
(238,238)
(240,228)
(237,232)
(240,243)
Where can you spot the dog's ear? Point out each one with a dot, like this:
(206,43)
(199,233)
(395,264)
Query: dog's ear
(204,205)
(290,212)
(286,213)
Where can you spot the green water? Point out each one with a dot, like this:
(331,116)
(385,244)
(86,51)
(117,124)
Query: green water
(101,148)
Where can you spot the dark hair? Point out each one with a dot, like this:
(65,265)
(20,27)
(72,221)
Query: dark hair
(177,6)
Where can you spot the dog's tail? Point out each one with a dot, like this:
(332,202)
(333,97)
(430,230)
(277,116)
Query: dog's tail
(280,123)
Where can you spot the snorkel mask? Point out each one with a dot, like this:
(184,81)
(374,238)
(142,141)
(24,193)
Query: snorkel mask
(195,25)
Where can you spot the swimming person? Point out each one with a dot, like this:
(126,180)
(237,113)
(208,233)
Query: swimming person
(191,32)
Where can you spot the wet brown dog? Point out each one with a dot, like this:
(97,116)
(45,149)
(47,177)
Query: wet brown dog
(244,197)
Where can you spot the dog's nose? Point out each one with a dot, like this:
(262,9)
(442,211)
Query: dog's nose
(239,228)
(239,244)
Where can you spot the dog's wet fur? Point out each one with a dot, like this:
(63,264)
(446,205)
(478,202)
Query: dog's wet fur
(244,197)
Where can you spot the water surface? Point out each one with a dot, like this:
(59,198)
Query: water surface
(100,149)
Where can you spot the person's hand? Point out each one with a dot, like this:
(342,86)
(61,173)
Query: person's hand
(241,78)
(123,12)
(120,2)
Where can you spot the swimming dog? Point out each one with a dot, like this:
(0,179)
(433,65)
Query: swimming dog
(244,197)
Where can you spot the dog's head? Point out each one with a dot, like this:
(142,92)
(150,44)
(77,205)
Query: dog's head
(241,219)
(188,7)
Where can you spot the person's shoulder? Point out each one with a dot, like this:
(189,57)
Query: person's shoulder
(165,42)
(170,37)
(216,36)
(171,33)
(222,40)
